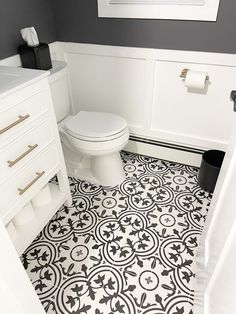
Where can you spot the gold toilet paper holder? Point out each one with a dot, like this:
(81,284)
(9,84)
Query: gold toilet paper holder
(184,73)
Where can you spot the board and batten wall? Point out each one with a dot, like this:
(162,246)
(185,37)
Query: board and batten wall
(144,86)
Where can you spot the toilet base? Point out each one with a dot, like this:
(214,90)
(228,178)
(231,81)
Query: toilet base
(108,169)
(104,170)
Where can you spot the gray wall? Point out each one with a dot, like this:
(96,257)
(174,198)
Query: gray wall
(17,14)
(77,21)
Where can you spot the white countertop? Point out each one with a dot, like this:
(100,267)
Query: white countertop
(12,78)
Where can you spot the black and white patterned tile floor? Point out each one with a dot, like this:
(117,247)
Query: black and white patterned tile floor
(128,249)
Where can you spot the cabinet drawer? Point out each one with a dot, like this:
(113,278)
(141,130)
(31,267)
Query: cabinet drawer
(23,149)
(15,193)
(17,116)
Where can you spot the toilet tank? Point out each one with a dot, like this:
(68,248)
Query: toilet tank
(59,89)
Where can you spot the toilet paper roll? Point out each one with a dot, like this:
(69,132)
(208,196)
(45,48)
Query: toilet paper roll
(11,230)
(43,197)
(25,215)
(196,80)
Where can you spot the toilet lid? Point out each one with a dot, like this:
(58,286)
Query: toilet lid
(95,124)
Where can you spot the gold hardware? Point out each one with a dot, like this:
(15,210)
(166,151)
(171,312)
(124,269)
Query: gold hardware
(38,176)
(20,119)
(29,150)
(184,73)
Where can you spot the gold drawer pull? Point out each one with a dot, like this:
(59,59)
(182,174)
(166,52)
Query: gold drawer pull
(29,150)
(20,119)
(38,176)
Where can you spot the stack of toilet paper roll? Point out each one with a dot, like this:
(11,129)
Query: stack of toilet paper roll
(24,216)
(27,213)
(43,197)
(11,230)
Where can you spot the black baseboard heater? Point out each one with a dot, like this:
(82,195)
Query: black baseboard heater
(166,145)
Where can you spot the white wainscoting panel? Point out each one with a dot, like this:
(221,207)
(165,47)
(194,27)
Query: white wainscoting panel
(109,83)
(202,118)
(144,86)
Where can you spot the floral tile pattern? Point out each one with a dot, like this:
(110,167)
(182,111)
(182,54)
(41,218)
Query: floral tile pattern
(126,249)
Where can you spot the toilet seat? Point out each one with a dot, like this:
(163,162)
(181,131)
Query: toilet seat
(95,126)
(98,139)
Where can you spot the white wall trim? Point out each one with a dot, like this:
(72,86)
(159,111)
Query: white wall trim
(213,58)
(207,12)
(200,142)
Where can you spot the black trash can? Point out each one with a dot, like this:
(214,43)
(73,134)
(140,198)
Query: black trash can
(209,169)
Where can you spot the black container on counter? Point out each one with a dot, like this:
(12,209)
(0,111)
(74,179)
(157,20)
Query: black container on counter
(37,57)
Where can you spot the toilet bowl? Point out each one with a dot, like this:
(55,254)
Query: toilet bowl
(100,137)
(91,141)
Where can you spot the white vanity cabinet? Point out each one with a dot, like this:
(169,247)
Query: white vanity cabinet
(30,151)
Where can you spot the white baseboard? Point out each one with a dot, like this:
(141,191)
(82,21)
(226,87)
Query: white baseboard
(165,153)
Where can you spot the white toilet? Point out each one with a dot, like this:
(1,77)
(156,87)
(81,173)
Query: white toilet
(91,141)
